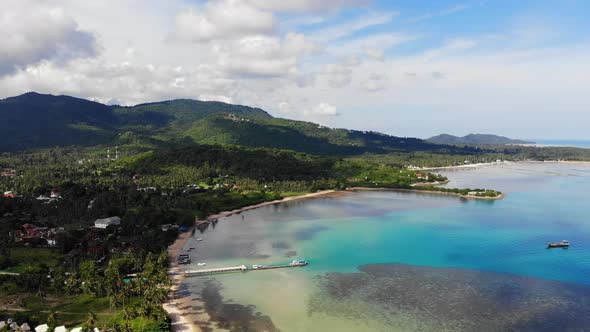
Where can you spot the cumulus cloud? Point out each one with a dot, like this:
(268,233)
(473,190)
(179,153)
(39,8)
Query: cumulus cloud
(263,56)
(321,109)
(33,32)
(222,20)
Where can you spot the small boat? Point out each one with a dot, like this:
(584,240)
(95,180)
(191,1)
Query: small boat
(562,244)
(199,239)
(192,248)
(299,262)
(201,264)
(258,267)
(184,261)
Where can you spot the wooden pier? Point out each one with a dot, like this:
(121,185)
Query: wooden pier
(241,268)
(194,273)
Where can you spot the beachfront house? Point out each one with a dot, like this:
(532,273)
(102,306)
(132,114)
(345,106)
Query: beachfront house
(106,222)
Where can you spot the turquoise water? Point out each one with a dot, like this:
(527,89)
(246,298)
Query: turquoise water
(544,202)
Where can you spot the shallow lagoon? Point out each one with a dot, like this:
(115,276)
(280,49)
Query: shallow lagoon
(383,261)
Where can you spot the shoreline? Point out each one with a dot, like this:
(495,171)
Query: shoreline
(455,167)
(263,204)
(176,307)
(429,192)
(180,320)
(504,162)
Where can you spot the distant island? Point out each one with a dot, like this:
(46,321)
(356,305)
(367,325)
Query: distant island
(475,139)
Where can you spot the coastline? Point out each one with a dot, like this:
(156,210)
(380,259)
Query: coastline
(442,168)
(429,192)
(180,320)
(278,201)
(177,307)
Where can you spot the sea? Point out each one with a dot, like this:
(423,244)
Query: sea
(585,144)
(391,261)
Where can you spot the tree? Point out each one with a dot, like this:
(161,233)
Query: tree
(52,321)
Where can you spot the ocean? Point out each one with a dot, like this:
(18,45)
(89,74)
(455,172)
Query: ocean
(388,261)
(569,143)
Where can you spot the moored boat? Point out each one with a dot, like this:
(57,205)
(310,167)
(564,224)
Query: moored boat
(299,262)
(561,244)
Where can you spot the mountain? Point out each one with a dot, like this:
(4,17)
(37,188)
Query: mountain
(474,139)
(33,120)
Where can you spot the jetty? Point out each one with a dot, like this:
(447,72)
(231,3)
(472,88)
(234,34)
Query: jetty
(243,268)
(201,272)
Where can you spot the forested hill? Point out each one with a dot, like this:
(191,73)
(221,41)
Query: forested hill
(34,120)
(475,139)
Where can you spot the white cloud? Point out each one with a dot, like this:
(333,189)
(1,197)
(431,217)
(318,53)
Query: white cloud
(224,19)
(383,41)
(321,109)
(444,12)
(307,5)
(223,99)
(346,29)
(33,32)
(339,74)
(263,56)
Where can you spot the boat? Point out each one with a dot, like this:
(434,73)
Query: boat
(199,239)
(299,262)
(562,244)
(258,267)
(201,264)
(184,261)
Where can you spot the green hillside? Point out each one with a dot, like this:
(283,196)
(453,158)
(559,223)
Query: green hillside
(39,121)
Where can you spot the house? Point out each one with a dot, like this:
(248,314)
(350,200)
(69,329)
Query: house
(9,173)
(55,193)
(9,194)
(104,223)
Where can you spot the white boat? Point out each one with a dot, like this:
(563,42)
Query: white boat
(199,239)
(201,264)
(299,262)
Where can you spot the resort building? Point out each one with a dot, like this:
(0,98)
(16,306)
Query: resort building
(104,223)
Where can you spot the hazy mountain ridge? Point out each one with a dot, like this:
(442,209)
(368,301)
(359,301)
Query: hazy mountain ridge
(475,139)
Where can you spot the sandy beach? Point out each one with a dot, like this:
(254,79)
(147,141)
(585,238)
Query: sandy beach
(256,206)
(180,308)
(442,168)
(428,192)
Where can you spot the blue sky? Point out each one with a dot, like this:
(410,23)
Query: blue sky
(408,68)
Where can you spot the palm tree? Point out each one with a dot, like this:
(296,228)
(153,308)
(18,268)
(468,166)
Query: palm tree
(91,319)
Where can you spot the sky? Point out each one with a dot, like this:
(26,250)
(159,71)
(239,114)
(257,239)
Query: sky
(406,68)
